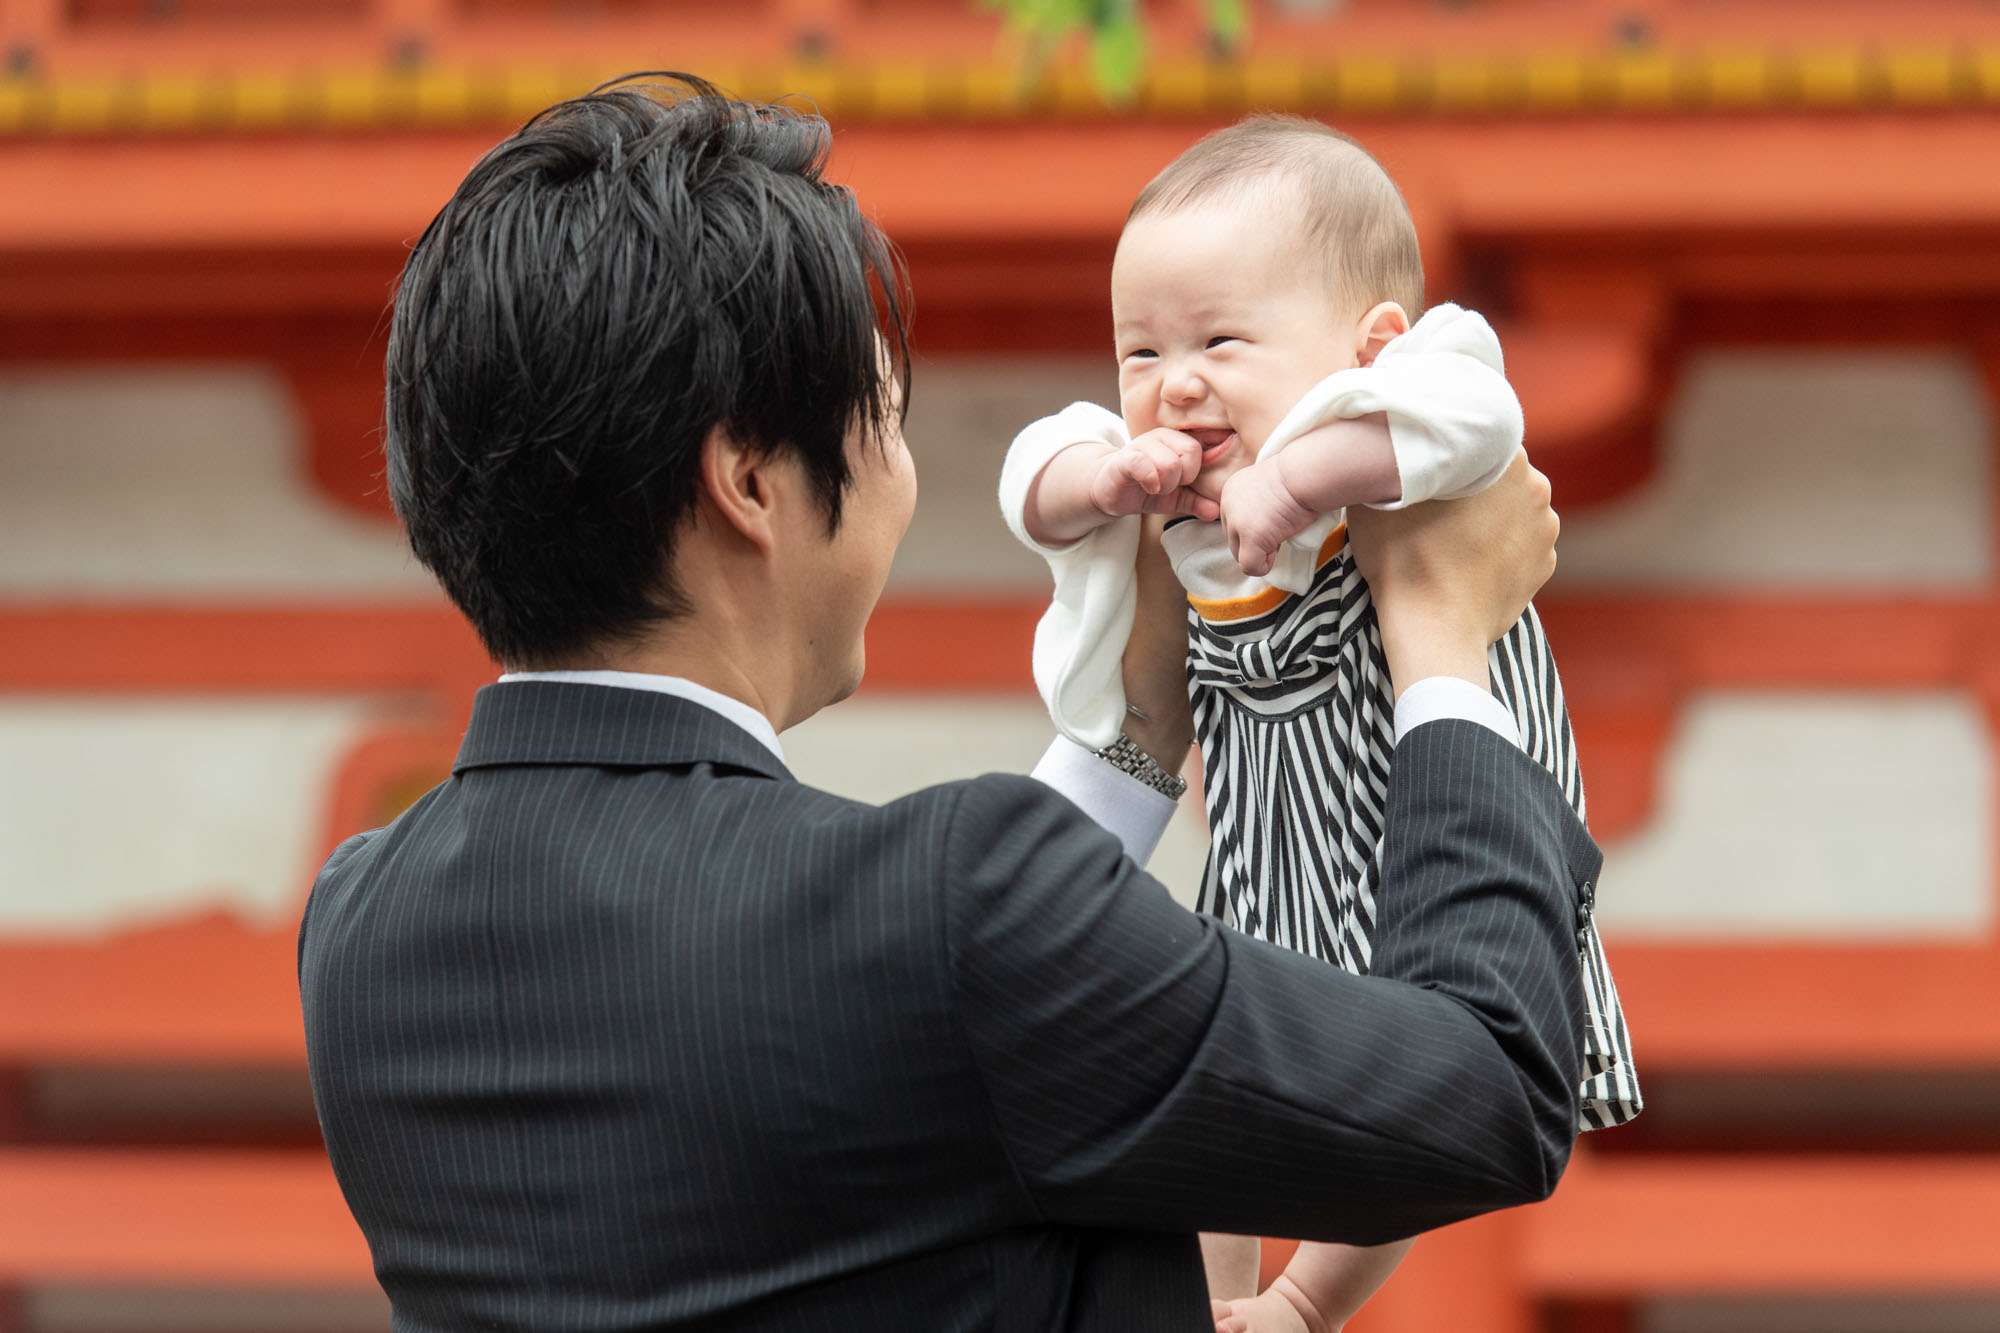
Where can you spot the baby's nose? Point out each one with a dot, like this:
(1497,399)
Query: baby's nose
(1183,385)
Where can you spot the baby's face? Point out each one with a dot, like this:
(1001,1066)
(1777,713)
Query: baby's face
(1223,322)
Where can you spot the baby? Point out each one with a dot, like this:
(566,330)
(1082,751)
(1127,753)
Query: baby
(1269,375)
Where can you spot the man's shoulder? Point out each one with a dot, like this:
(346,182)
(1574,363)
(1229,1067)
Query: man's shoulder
(951,812)
(1000,834)
(980,810)
(347,850)
(992,799)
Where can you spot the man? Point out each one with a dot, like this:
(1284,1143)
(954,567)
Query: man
(621,1027)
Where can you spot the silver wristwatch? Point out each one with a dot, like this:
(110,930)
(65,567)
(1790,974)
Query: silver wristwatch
(1125,755)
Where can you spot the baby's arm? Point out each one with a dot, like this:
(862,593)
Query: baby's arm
(1080,638)
(1454,425)
(1328,467)
(1319,1291)
(1091,483)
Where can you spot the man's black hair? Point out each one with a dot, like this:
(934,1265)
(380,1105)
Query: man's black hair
(631,269)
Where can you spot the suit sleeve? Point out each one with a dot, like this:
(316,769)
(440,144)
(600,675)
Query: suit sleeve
(1148,1067)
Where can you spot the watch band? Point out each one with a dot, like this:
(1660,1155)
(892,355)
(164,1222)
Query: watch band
(1125,755)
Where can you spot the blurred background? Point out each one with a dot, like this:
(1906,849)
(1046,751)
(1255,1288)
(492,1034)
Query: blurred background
(1744,256)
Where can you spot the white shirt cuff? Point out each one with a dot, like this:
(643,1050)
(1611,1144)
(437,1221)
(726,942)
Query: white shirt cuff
(1437,698)
(1122,805)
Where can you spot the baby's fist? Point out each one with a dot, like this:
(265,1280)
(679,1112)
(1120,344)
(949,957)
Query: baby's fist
(1260,515)
(1151,475)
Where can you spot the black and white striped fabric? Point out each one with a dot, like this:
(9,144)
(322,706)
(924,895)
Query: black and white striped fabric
(1296,717)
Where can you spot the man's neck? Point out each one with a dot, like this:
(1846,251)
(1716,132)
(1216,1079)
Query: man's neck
(691,652)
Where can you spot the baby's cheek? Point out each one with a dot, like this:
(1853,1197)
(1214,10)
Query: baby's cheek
(1139,407)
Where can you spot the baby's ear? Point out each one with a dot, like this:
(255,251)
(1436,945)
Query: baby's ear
(1375,329)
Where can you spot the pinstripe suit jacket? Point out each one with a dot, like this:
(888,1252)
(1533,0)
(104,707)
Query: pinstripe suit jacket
(621,1027)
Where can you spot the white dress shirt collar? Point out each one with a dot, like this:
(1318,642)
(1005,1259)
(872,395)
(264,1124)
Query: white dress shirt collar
(742,714)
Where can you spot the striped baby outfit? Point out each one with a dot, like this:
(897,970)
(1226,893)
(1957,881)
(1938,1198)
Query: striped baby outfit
(1291,692)
(1296,719)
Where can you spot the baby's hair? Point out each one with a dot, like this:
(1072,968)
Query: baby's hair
(1352,210)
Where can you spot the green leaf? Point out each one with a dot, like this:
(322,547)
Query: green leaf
(1117,37)
(1229,21)
(1117,57)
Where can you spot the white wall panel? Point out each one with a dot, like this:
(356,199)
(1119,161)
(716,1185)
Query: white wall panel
(1812,469)
(1835,816)
(1827,470)
(186,481)
(120,813)
(963,414)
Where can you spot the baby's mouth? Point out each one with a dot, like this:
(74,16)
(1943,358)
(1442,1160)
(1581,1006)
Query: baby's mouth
(1215,441)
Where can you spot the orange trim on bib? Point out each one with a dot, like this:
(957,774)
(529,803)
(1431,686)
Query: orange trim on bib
(1243,608)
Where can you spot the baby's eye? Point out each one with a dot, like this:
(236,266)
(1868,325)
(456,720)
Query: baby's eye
(1220,339)
(1141,353)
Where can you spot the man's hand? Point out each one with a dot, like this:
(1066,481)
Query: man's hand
(1152,475)
(1260,514)
(1450,577)
(1155,662)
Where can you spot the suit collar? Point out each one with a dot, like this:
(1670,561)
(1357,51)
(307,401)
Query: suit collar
(742,714)
(540,722)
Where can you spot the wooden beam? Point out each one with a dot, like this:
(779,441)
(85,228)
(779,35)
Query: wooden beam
(1714,1004)
(190,1218)
(1067,183)
(383,648)
(1687,1226)
(204,992)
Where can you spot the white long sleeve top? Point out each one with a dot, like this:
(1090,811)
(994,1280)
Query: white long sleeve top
(1454,423)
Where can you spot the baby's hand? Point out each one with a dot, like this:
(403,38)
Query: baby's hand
(1260,514)
(1152,475)
(1268,1313)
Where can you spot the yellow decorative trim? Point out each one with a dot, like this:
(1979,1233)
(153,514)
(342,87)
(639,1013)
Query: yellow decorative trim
(1645,82)
(1354,84)
(1830,78)
(1922,78)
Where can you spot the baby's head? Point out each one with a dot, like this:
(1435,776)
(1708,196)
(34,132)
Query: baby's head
(1263,259)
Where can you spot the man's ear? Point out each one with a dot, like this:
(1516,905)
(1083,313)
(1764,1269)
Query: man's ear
(1375,329)
(735,482)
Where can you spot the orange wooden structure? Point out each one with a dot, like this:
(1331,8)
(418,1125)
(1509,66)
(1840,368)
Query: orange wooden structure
(1616,183)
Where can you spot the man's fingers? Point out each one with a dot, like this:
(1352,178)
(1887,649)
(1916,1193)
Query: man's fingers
(1555,519)
(1540,495)
(1464,568)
